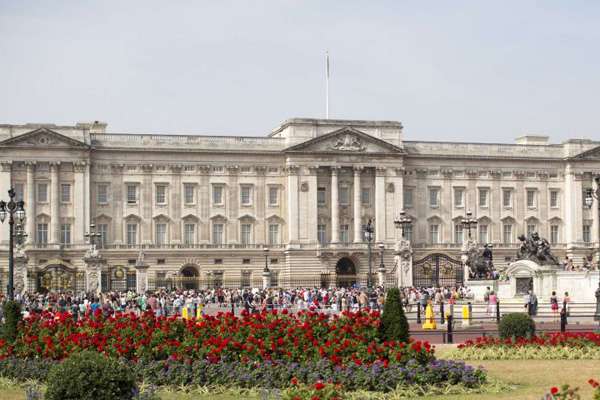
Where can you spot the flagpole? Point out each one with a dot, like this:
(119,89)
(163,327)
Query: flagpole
(327,85)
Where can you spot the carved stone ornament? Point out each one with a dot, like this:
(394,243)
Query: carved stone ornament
(304,187)
(348,142)
(390,188)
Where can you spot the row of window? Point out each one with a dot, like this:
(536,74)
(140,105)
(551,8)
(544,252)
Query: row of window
(189,194)
(343,196)
(482,231)
(483,197)
(42,192)
(161,232)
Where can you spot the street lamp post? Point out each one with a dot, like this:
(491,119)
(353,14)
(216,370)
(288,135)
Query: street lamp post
(92,235)
(368,230)
(266,275)
(11,209)
(403,221)
(469,221)
(381,270)
(589,201)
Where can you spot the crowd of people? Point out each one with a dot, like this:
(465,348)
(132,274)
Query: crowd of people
(569,265)
(167,303)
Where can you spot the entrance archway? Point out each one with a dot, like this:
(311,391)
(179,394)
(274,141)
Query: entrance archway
(56,276)
(189,277)
(345,271)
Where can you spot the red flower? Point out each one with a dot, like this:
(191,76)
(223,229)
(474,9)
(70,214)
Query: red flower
(294,381)
(319,385)
(554,390)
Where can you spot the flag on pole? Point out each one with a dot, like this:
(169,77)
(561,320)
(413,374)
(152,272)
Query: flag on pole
(327,84)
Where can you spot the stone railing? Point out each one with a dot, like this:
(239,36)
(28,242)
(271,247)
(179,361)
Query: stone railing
(189,141)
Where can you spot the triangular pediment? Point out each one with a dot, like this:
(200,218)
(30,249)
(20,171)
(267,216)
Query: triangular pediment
(591,154)
(345,140)
(43,137)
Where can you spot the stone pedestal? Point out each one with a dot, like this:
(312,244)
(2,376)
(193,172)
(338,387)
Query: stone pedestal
(479,287)
(266,277)
(141,278)
(403,264)
(20,273)
(93,272)
(526,274)
(381,277)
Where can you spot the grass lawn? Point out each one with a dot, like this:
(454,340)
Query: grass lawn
(531,378)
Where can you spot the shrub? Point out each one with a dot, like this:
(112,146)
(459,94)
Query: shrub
(394,325)
(90,375)
(12,316)
(516,325)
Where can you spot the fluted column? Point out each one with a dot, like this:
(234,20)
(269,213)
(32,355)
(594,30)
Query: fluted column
(79,202)
(380,204)
(335,206)
(292,203)
(357,205)
(5,184)
(54,203)
(30,212)
(595,214)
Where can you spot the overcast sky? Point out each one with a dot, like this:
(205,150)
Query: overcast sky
(448,70)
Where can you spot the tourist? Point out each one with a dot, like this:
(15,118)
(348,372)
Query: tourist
(492,303)
(554,306)
(566,303)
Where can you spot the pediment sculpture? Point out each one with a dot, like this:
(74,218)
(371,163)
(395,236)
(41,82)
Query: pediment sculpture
(348,142)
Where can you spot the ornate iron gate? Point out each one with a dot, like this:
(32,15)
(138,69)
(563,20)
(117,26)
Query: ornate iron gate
(438,270)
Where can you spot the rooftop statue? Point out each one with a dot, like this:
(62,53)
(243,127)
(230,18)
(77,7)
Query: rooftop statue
(536,249)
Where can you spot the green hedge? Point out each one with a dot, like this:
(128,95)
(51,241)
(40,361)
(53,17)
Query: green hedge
(516,325)
(90,376)
(12,316)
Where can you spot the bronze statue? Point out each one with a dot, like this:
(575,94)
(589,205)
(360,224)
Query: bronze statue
(480,264)
(536,249)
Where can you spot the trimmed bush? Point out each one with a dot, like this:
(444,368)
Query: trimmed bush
(90,376)
(516,325)
(394,325)
(12,316)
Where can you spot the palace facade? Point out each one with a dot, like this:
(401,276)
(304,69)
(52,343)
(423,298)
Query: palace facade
(202,208)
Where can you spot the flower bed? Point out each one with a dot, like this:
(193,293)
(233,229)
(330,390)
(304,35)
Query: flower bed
(269,349)
(306,336)
(551,346)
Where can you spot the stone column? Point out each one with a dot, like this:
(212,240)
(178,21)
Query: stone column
(54,203)
(403,263)
(313,213)
(20,283)
(335,206)
(5,185)
(380,204)
(595,227)
(79,197)
(93,273)
(292,203)
(266,278)
(30,203)
(141,277)
(357,206)
(119,201)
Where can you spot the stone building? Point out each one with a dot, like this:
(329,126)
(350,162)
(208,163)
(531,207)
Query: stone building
(202,208)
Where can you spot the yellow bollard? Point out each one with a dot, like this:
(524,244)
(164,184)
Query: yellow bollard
(465,316)
(199,312)
(184,313)
(429,318)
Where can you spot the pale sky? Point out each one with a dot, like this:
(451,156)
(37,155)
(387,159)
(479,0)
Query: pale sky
(448,70)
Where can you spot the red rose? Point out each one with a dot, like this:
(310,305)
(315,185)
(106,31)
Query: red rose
(554,390)
(294,381)
(319,385)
